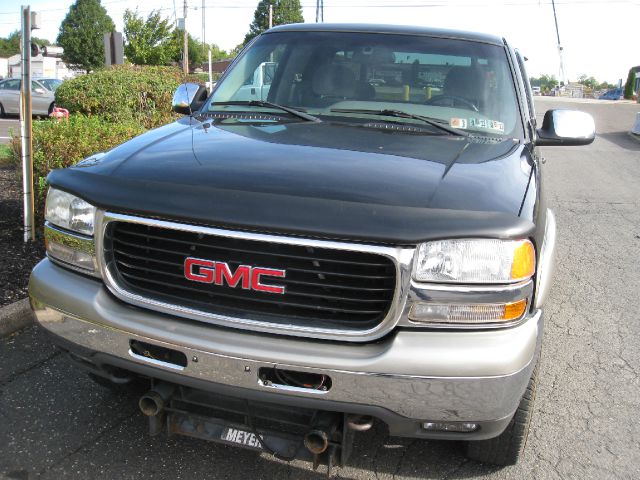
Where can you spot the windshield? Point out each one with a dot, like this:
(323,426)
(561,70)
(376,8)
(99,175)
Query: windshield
(51,83)
(350,76)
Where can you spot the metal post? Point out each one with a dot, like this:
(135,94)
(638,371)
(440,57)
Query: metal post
(210,74)
(25,127)
(270,15)
(204,42)
(185,48)
(555,18)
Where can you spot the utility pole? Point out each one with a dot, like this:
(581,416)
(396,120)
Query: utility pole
(204,43)
(555,18)
(25,126)
(319,11)
(270,15)
(185,48)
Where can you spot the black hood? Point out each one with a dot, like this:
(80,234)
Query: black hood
(324,179)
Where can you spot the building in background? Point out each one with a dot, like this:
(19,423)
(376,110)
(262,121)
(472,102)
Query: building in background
(41,67)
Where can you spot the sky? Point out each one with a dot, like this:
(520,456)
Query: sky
(599,37)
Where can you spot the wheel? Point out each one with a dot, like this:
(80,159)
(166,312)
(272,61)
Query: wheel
(451,101)
(508,447)
(51,107)
(2,113)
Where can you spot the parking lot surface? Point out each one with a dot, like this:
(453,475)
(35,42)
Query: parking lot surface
(7,126)
(55,423)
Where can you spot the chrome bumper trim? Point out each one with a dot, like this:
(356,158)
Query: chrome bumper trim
(422,375)
(417,397)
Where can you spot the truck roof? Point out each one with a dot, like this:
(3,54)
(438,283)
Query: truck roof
(389,29)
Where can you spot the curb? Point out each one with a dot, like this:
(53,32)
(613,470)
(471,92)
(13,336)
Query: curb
(15,316)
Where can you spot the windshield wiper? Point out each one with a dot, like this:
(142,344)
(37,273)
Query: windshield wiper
(434,122)
(262,103)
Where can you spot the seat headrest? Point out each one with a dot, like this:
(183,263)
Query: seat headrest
(464,82)
(334,81)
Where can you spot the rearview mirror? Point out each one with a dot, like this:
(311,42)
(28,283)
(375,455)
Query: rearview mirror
(188,98)
(566,127)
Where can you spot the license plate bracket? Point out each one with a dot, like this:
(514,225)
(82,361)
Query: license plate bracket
(230,433)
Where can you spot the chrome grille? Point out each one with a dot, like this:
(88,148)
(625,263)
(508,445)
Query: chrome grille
(325,288)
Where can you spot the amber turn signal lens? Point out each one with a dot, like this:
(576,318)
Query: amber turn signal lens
(514,310)
(467,314)
(524,261)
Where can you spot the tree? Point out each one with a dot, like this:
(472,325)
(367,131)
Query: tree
(218,54)
(11,45)
(81,34)
(630,84)
(238,48)
(547,82)
(589,82)
(196,55)
(148,42)
(284,11)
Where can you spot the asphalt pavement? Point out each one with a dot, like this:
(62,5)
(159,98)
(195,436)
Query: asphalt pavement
(7,125)
(55,423)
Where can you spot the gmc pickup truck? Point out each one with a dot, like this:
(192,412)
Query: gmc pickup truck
(364,241)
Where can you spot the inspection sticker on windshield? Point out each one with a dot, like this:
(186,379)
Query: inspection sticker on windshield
(486,124)
(458,122)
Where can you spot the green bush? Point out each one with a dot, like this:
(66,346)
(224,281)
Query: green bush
(124,93)
(630,84)
(60,144)
(108,107)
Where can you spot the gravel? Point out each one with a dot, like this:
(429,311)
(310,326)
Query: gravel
(18,257)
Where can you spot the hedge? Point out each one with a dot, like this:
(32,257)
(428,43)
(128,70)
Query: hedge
(60,144)
(108,107)
(124,93)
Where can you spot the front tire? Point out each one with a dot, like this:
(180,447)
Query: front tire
(2,112)
(508,447)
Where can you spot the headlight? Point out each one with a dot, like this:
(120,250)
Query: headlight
(70,212)
(68,232)
(475,261)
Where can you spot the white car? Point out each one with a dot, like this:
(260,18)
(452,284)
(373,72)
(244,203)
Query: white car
(42,99)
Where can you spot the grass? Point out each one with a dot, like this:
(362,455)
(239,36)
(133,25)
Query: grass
(5,152)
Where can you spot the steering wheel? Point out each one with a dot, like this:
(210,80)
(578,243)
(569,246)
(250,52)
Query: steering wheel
(451,100)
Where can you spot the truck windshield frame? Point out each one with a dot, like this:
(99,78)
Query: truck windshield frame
(465,84)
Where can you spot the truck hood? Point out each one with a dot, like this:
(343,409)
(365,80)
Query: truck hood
(324,179)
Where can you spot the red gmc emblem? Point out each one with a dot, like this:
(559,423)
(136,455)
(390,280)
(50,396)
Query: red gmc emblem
(249,278)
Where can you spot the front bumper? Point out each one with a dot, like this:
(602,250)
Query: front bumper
(404,379)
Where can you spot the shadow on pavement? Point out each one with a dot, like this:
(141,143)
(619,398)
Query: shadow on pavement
(622,139)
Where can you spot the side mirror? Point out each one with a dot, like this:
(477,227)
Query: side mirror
(566,127)
(188,98)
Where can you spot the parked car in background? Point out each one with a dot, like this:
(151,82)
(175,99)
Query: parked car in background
(536,90)
(50,83)
(43,99)
(613,94)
